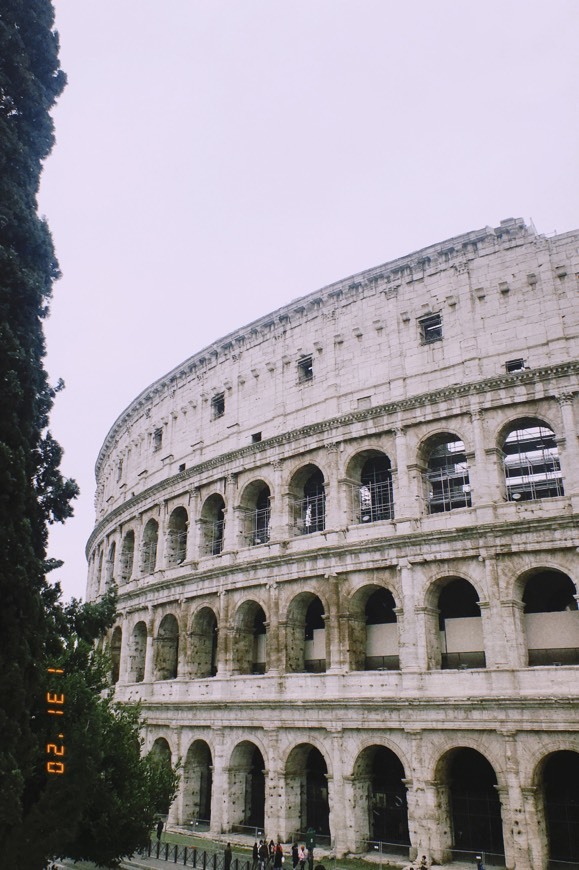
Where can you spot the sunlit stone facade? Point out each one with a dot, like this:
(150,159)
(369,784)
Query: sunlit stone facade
(345,542)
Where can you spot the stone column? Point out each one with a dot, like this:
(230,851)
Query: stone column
(175,810)
(162,537)
(150,648)
(496,648)
(436,822)
(355,796)
(334,512)
(412,642)
(273,662)
(223,638)
(279,505)
(220,814)
(338,810)
(274,785)
(231,532)
(515,829)
(125,649)
(482,494)
(538,842)
(332,623)
(570,446)
(193,527)
(183,653)
(513,620)
(405,493)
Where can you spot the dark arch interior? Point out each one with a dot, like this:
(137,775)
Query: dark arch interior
(549,592)
(317,805)
(255,791)
(380,608)
(314,618)
(474,802)
(458,600)
(561,796)
(388,808)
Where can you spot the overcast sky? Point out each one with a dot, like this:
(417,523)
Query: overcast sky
(216,160)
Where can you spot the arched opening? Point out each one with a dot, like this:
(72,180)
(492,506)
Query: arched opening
(307,793)
(315,638)
(177,536)
(551,619)
(197,786)
(247,787)
(308,501)
(560,792)
(305,635)
(373,630)
(473,802)
(149,547)
(138,651)
(127,556)
(375,500)
(380,798)
(213,525)
(167,648)
(110,565)
(161,754)
(256,508)
(531,461)
(460,625)
(249,640)
(381,632)
(203,644)
(446,479)
(116,644)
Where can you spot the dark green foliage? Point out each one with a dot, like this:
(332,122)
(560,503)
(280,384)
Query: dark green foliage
(40,814)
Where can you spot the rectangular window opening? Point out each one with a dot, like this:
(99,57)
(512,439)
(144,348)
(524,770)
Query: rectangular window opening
(157,439)
(305,369)
(218,406)
(182,467)
(256,437)
(430,328)
(515,365)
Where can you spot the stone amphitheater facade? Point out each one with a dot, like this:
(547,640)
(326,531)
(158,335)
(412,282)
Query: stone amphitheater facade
(345,544)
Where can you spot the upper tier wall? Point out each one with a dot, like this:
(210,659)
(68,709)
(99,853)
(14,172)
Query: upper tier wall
(494,295)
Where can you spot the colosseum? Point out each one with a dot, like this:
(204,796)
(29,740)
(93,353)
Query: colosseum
(345,543)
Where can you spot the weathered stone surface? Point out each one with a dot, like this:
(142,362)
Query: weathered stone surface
(237,513)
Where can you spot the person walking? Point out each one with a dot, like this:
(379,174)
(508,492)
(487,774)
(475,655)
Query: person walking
(227,855)
(255,856)
(159,829)
(295,856)
(278,857)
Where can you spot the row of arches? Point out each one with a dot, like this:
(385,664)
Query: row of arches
(384,805)
(302,642)
(531,471)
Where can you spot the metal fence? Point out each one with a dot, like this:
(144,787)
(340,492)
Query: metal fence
(189,856)
(385,848)
(489,859)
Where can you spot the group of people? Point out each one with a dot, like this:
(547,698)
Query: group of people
(267,855)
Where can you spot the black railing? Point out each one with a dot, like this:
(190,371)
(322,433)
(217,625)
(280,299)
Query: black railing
(189,856)
(382,663)
(464,660)
(385,848)
(563,656)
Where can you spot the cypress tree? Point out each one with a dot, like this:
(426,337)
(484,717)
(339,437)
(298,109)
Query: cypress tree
(33,492)
(104,806)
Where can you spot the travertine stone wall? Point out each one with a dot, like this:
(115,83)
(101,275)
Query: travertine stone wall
(464,342)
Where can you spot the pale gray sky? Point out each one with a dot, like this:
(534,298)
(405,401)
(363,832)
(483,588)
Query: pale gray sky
(217,158)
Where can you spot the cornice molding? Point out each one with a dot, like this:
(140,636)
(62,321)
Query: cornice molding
(450,254)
